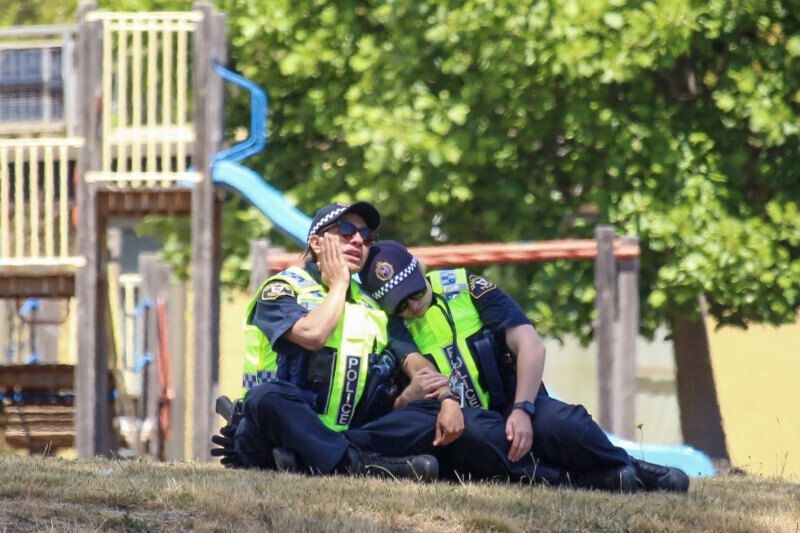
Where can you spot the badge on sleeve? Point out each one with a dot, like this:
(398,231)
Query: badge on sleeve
(275,290)
(479,286)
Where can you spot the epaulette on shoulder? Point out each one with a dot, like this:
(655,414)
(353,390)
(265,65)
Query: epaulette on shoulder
(299,280)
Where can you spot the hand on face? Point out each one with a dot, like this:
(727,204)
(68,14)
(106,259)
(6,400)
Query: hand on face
(332,263)
(347,249)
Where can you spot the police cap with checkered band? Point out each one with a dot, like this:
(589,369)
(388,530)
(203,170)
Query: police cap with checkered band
(391,274)
(330,214)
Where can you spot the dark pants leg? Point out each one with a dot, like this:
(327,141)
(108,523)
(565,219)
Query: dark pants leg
(482,453)
(567,436)
(409,430)
(275,414)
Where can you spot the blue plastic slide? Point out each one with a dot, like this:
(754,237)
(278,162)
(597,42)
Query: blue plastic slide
(267,199)
(227,172)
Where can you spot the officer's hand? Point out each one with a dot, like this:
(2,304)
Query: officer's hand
(519,432)
(425,384)
(332,264)
(224,450)
(449,423)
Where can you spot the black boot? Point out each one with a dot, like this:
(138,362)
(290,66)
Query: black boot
(621,479)
(652,477)
(285,460)
(417,467)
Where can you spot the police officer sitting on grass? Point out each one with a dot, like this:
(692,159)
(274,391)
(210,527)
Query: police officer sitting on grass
(314,395)
(481,339)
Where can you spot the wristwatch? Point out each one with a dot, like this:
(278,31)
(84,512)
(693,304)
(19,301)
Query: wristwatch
(526,406)
(449,394)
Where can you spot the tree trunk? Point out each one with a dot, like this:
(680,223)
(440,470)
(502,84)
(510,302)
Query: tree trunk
(701,419)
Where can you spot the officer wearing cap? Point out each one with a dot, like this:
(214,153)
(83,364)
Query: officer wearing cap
(314,344)
(480,337)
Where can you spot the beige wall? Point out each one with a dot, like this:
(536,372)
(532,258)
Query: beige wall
(231,353)
(758,382)
(571,373)
(757,373)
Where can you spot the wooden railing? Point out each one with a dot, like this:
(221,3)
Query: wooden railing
(36,199)
(146,111)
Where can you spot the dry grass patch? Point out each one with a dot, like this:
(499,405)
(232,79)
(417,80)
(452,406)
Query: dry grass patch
(50,494)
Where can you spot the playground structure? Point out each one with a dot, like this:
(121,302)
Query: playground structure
(150,122)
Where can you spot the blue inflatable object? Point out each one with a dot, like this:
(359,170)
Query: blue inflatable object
(691,460)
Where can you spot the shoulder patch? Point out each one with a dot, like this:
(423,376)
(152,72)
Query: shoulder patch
(275,290)
(479,286)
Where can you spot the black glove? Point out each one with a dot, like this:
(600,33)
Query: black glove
(228,456)
(233,414)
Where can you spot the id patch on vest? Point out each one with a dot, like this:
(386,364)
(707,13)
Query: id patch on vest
(479,286)
(275,290)
(450,284)
(347,402)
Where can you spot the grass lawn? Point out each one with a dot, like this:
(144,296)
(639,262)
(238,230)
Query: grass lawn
(52,494)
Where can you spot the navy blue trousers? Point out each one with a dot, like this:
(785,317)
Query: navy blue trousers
(275,414)
(566,435)
(565,438)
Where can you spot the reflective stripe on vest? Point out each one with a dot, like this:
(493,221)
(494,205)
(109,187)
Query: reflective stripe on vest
(361,329)
(433,334)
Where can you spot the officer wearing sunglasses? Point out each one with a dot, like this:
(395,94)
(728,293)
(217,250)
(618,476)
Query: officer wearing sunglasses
(316,344)
(477,335)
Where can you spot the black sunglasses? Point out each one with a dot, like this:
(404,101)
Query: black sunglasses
(348,229)
(402,306)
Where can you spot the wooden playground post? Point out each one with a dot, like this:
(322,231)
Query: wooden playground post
(209,46)
(605,273)
(624,384)
(259,257)
(92,414)
(616,362)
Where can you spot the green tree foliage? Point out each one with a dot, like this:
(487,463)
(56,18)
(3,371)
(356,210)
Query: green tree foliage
(525,120)
(30,12)
(241,224)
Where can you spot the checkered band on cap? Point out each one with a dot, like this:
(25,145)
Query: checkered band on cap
(395,281)
(327,219)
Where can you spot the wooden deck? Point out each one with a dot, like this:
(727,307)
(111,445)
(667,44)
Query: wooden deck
(173,201)
(37,407)
(38,281)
